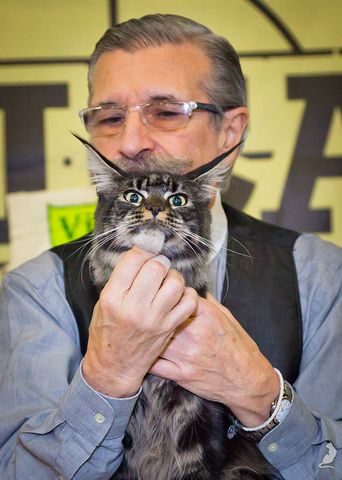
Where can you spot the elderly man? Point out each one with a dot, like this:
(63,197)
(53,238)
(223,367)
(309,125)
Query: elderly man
(63,418)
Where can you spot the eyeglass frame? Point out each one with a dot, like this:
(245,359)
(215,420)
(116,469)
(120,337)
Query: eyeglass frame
(192,105)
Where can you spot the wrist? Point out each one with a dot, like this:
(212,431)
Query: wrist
(280,407)
(257,405)
(107,383)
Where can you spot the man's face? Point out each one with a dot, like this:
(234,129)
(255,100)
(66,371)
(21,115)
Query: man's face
(166,72)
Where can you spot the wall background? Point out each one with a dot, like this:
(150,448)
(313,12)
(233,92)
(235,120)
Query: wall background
(290,171)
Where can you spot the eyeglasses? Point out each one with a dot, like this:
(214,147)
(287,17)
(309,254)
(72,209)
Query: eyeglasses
(110,119)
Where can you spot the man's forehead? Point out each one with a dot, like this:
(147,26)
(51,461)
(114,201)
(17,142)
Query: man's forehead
(150,73)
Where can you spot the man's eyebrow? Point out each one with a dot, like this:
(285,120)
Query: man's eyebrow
(151,98)
(162,97)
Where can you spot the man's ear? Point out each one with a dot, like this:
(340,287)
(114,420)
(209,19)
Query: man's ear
(234,124)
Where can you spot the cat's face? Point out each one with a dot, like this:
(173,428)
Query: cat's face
(159,212)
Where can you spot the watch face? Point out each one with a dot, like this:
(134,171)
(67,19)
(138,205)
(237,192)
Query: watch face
(283,410)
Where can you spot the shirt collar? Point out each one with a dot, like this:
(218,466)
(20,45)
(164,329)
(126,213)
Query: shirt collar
(219,226)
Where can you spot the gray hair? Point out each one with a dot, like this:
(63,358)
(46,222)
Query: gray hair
(225,86)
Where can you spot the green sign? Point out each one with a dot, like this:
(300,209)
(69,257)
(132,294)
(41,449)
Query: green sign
(69,222)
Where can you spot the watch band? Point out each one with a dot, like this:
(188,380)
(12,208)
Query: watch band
(282,405)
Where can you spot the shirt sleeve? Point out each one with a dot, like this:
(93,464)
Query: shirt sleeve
(53,425)
(307,445)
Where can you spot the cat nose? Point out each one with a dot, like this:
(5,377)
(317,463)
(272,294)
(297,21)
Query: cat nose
(155,205)
(155,209)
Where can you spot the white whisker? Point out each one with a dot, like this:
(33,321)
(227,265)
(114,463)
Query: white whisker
(248,254)
(183,237)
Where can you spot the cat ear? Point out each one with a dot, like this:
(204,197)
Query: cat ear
(212,168)
(103,171)
(213,175)
(94,154)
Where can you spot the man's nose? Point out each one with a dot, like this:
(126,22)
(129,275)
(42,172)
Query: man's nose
(135,137)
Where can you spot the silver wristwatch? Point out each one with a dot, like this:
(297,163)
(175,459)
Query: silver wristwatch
(284,407)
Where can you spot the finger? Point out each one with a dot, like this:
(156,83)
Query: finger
(127,269)
(165,368)
(164,261)
(149,280)
(171,291)
(183,310)
(171,350)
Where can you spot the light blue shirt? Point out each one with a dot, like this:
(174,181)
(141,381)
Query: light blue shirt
(55,426)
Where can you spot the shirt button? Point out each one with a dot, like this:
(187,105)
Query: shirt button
(273,447)
(99,418)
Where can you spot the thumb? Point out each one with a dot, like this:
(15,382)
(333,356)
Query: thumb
(165,369)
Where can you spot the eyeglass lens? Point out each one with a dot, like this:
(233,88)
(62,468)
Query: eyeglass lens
(109,120)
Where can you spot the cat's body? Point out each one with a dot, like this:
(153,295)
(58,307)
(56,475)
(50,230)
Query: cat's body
(172,434)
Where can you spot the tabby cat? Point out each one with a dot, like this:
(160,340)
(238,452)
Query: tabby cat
(172,434)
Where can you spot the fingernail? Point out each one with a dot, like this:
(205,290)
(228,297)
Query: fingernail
(164,261)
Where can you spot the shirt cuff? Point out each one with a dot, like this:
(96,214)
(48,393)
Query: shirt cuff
(290,440)
(92,415)
(122,406)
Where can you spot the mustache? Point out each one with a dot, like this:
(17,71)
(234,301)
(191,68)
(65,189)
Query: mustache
(148,162)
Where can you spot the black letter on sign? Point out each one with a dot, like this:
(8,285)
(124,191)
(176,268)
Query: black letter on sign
(322,94)
(24,105)
(24,138)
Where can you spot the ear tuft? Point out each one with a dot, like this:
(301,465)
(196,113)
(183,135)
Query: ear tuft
(102,170)
(215,173)
(216,178)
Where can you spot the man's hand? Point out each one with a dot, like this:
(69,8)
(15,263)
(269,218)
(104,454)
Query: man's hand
(136,315)
(212,356)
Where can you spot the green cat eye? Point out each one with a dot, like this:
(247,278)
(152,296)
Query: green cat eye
(133,197)
(178,200)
